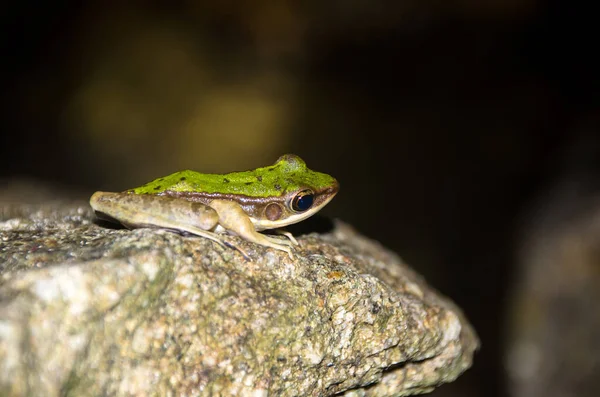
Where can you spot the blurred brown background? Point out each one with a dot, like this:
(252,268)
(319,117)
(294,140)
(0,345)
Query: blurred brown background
(464,134)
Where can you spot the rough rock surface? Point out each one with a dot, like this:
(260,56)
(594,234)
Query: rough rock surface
(90,310)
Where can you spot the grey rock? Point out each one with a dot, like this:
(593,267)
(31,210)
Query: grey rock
(90,310)
(553,344)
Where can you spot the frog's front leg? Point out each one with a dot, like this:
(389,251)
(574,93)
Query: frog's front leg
(233,218)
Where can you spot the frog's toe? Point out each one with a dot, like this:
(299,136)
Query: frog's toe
(289,235)
(238,249)
(290,253)
(280,241)
(285,248)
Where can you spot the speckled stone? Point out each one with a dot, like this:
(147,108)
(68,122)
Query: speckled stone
(91,310)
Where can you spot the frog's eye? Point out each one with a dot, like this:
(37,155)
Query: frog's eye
(303,200)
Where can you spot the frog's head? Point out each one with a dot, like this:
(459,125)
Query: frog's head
(299,193)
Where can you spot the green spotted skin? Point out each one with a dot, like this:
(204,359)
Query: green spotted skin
(288,174)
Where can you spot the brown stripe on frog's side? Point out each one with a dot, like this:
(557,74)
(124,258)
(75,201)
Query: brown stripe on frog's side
(253,206)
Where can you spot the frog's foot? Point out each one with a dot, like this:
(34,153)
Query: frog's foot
(279,246)
(272,242)
(277,243)
(211,236)
(288,235)
(217,238)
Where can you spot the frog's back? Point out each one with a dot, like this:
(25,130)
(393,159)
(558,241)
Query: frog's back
(288,174)
(249,183)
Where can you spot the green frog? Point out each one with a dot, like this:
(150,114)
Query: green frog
(239,203)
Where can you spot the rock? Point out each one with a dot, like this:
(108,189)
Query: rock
(87,309)
(554,317)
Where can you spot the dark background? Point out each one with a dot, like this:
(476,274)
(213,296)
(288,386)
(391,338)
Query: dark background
(447,124)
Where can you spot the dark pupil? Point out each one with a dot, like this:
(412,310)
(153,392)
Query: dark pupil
(302,202)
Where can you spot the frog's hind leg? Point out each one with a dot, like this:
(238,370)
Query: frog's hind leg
(135,210)
(194,218)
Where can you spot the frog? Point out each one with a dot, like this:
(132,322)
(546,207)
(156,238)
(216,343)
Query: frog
(214,205)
